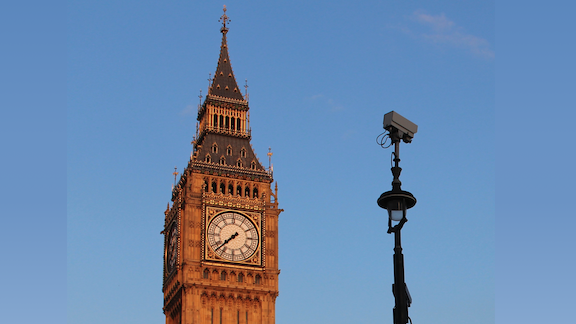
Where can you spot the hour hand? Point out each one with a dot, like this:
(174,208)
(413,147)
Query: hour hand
(226,241)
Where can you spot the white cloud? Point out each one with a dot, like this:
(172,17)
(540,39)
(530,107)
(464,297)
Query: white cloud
(334,106)
(440,30)
(189,110)
(439,23)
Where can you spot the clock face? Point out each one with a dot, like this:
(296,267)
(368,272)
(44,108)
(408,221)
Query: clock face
(171,248)
(233,236)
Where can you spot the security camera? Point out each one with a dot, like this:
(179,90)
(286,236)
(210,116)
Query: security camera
(399,126)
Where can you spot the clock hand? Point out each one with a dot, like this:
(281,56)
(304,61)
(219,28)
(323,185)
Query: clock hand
(226,241)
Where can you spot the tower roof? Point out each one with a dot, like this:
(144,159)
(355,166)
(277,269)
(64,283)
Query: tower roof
(222,141)
(224,83)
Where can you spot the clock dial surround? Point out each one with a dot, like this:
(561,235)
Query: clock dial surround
(233,236)
(171,248)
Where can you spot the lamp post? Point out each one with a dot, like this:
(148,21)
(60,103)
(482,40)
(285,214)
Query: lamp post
(397,202)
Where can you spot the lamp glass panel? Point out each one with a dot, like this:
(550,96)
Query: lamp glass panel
(396,215)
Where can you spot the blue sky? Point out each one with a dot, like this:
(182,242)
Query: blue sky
(112,112)
(320,76)
(535,163)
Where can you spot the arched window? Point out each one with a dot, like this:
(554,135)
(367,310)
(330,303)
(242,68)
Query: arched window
(232,123)
(227,122)
(222,188)
(253,165)
(208,159)
(246,192)
(243,152)
(239,163)
(206,274)
(230,189)
(238,124)
(216,121)
(255,193)
(222,160)
(214,148)
(223,275)
(238,191)
(257,280)
(229,150)
(221,121)
(214,187)
(240,277)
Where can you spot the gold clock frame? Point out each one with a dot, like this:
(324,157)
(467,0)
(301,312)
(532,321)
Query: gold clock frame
(256,260)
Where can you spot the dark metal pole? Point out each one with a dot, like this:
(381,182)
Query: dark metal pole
(399,287)
(396,169)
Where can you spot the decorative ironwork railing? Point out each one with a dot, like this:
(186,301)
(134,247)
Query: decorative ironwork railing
(227,131)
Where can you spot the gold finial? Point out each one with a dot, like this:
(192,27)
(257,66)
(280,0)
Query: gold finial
(224,19)
(270,167)
(200,100)
(246,89)
(175,173)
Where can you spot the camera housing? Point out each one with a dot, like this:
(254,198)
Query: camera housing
(400,126)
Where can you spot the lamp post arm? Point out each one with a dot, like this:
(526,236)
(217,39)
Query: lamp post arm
(396,228)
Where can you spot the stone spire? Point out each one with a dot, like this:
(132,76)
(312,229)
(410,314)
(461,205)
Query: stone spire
(224,83)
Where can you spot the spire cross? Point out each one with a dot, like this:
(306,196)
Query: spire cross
(209,80)
(224,19)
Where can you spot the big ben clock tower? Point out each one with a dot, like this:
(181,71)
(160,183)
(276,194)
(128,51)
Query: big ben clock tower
(221,232)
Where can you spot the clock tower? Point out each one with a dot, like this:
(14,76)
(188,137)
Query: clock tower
(221,231)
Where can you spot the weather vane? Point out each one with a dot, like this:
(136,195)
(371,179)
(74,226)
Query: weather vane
(224,19)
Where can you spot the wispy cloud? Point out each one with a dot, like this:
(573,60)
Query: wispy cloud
(334,106)
(440,30)
(439,23)
(189,110)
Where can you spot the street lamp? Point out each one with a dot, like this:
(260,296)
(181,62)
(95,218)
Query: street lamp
(397,202)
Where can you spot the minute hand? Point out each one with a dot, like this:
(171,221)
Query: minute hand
(226,241)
